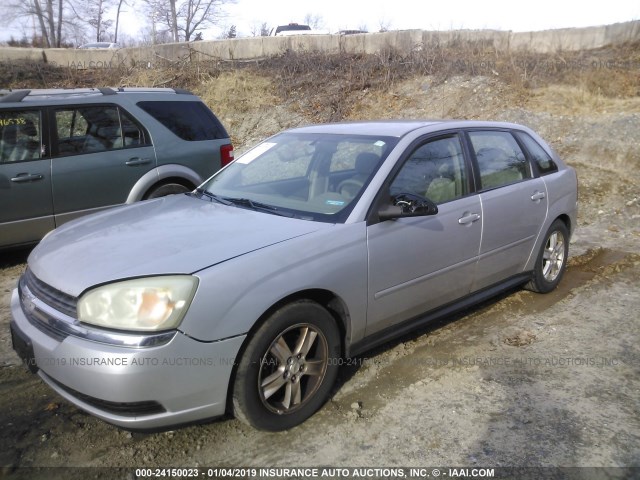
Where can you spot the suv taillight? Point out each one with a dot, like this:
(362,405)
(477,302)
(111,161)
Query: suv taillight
(226,155)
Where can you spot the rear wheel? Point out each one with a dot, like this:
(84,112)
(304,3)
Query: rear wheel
(166,189)
(288,367)
(552,259)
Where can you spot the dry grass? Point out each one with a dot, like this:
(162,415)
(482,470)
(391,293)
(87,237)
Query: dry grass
(329,87)
(578,100)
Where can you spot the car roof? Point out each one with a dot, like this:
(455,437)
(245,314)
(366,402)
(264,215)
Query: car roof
(397,128)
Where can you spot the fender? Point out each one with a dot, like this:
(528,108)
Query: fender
(154,176)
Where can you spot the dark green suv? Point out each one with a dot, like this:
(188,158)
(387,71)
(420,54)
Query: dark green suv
(69,152)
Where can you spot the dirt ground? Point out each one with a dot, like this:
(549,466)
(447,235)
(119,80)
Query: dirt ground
(524,380)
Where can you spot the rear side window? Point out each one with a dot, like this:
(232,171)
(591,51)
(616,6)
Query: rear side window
(191,121)
(500,159)
(19,135)
(538,154)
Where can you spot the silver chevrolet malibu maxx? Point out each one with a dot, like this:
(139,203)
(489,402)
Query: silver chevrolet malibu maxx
(244,295)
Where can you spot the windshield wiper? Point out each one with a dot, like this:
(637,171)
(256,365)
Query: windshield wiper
(212,196)
(257,206)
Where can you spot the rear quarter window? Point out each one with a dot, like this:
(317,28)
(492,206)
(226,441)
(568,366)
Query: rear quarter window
(191,121)
(538,154)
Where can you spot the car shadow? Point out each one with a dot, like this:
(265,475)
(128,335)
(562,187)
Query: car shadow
(352,365)
(15,256)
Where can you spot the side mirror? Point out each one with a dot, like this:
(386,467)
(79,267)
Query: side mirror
(407,205)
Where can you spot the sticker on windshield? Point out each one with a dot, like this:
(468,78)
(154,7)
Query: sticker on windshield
(338,203)
(254,153)
(379,143)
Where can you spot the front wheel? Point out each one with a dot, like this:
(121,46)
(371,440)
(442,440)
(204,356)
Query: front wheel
(288,367)
(552,259)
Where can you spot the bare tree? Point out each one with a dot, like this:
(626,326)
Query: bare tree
(49,16)
(315,21)
(184,17)
(260,30)
(120,3)
(384,25)
(93,13)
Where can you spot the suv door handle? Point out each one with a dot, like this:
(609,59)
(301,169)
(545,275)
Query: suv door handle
(137,161)
(537,196)
(468,218)
(27,177)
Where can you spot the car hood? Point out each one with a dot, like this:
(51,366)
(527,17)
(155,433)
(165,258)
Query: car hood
(170,235)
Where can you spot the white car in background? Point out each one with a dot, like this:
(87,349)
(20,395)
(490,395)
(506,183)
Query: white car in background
(100,46)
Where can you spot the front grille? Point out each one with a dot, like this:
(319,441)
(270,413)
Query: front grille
(61,301)
(124,409)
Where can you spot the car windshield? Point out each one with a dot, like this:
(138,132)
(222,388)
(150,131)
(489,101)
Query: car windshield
(312,176)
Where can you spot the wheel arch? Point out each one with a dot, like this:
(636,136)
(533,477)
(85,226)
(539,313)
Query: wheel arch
(163,174)
(566,220)
(327,299)
(166,181)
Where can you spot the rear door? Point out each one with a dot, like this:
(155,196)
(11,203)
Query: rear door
(26,207)
(99,153)
(514,205)
(420,263)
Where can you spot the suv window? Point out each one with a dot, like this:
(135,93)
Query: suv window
(19,135)
(500,159)
(190,121)
(538,154)
(435,170)
(95,129)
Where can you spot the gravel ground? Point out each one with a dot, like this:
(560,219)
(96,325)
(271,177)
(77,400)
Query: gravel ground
(524,380)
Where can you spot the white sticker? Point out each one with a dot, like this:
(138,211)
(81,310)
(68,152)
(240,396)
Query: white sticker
(379,143)
(254,153)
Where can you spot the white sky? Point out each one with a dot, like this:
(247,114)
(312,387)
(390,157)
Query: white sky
(408,14)
(435,14)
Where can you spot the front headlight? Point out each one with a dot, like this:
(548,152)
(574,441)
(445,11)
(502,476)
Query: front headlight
(143,304)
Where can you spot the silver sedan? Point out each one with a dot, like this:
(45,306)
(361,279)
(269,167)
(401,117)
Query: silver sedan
(319,243)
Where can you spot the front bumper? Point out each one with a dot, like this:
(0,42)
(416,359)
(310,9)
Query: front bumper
(179,382)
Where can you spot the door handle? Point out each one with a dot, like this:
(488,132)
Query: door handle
(468,218)
(27,177)
(537,196)
(137,161)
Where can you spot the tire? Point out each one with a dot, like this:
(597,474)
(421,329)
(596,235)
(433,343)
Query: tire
(269,392)
(166,189)
(552,259)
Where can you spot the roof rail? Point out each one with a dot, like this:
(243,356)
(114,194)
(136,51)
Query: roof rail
(19,95)
(16,96)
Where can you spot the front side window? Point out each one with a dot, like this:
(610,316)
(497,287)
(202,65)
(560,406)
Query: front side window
(435,170)
(500,159)
(20,136)
(95,129)
(312,176)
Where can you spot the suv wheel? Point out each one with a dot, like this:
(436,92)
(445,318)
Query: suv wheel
(166,189)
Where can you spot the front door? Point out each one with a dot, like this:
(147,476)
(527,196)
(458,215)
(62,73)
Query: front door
(420,263)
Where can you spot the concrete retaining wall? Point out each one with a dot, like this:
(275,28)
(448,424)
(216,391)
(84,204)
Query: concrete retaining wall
(549,41)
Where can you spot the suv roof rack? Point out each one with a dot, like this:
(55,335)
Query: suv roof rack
(11,96)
